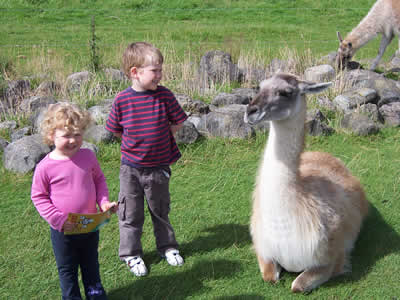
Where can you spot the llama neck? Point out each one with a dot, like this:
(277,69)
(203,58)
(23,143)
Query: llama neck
(282,153)
(368,28)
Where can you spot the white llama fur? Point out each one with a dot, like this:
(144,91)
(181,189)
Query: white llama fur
(307,207)
(384,18)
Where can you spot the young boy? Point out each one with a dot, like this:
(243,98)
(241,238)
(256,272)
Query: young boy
(146,116)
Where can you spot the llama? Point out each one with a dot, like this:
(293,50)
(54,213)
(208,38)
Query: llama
(307,207)
(384,17)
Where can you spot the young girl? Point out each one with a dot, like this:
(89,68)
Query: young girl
(69,180)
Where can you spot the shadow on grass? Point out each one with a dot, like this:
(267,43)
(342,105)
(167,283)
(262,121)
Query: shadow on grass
(241,297)
(190,282)
(377,239)
(178,285)
(218,237)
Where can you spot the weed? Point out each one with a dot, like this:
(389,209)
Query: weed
(94,48)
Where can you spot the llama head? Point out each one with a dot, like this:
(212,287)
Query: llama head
(280,97)
(345,52)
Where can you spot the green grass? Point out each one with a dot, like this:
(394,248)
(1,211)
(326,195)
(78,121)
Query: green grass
(213,181)
(211,188)
(193,25)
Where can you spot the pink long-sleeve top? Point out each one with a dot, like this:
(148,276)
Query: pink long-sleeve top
(74,185)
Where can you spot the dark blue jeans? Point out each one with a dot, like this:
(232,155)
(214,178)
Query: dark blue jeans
(72,252)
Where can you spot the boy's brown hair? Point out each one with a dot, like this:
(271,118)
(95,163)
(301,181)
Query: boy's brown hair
(140,54)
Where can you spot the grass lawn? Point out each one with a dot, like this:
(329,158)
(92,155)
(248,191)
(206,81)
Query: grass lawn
(178,27)
(212,183)
(211,189)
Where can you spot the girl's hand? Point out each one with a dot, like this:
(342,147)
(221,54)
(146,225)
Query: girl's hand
(112,206)
(68,226)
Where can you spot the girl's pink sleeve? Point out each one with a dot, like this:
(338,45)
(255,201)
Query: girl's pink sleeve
(100,183)
(41,199)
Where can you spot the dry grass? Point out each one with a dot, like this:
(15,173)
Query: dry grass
(180,72)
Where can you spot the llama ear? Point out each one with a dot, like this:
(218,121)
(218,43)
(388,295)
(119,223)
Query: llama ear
(339,37)
(313,88)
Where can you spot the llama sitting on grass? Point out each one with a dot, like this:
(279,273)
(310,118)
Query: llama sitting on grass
(307,207)
(384,18)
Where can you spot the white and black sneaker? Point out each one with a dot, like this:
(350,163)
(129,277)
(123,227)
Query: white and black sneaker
(173,257)
(136,265)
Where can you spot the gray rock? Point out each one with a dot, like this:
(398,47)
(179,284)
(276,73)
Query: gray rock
(34,103)
(254,75)
(115,75)
(8,125)
(98,134)
(315,125)
(391,114)
(328,59)
(371,111)
(195,120)
(188,134)
(16,91)
(354,98)
(238,96)
(364,78)
(90,146)
(48,88)
(217,67)
(326,103)
(22,155)
(359,124)
(192,106)
(388,96)
(100,113)
(226,99)
(227,121)
(75,81)
(320,73)
(3,144)
(20,133)
(395,62)
(246,93)
(36,118)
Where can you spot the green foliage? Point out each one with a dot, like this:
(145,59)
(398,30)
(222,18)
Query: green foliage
(5,134)
(392,75)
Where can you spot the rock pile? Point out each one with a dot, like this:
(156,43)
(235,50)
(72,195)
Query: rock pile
(369,102)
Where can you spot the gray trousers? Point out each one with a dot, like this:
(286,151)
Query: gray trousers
(137,184)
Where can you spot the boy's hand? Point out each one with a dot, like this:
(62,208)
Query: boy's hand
(112,206)
(68,226)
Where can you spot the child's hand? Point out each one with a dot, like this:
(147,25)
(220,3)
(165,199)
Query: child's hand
(68,226)
(112,206)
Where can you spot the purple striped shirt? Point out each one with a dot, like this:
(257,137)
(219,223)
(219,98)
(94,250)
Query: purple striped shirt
(144,119)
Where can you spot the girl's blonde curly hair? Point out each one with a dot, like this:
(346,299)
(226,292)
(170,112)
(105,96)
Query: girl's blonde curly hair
(65,116)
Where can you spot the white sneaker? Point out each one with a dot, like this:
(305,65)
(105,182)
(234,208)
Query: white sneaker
(136,265)
(173,258)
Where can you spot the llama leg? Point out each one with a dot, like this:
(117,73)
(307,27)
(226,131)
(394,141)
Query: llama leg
(270,270)
(385,41)
(312,278)
(341,265)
